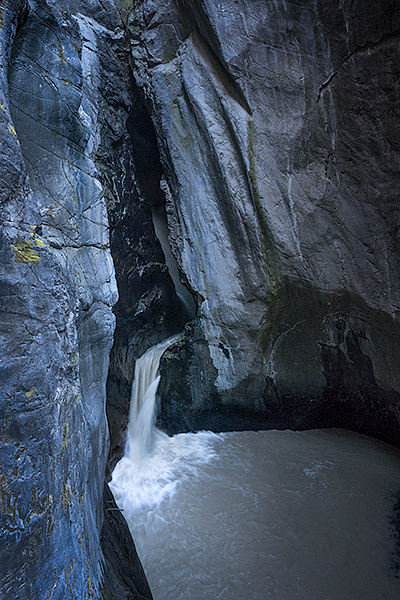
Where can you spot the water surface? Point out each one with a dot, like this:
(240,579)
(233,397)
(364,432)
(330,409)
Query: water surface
(264,515)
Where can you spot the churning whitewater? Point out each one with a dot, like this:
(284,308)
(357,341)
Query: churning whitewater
(257,515)
(154,463)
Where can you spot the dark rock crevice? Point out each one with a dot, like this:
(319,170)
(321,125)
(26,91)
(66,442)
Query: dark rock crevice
(148,309)
(119,552)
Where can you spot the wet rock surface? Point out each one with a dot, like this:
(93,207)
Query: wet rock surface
(57,292)
(266,134)
(281,154)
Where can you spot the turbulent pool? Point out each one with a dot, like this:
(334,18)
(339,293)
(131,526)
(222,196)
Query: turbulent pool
(262,515)
(271,514)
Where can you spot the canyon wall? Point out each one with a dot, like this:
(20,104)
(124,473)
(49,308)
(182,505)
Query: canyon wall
(265,134)
(57,292)
(278,133)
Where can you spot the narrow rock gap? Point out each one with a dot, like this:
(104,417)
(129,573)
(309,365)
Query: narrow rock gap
(153,303)
(150,175)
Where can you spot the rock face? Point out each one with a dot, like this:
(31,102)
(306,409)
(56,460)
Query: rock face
(266,135)
(57,291)
(280,148)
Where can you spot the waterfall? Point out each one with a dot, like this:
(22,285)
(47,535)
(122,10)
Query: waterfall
(248,514)
(154,464)
(141,428)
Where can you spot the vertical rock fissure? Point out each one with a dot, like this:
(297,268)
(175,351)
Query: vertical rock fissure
(153,303)
(150,176)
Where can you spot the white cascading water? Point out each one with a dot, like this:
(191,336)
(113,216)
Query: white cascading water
(267,515)
(141,429)
(153,462)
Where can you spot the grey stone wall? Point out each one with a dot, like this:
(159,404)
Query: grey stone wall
(57,288)
(278,132)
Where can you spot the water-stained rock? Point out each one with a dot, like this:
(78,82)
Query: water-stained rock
(280,152)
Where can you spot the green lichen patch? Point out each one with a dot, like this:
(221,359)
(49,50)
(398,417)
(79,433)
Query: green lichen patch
(11,129)
(32,392)
(186,141)
(24,252)
(91,590)
(38,242)
(67,574)
(3,8)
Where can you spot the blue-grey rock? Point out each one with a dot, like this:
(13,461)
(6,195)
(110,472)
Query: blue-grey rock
(278,137)
(266,134)
(58,288)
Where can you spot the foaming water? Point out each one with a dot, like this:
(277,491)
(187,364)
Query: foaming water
(146,484)
(269,515)
(264,515)
(153,462)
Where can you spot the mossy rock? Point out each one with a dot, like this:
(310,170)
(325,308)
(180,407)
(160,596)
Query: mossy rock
(25,252)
